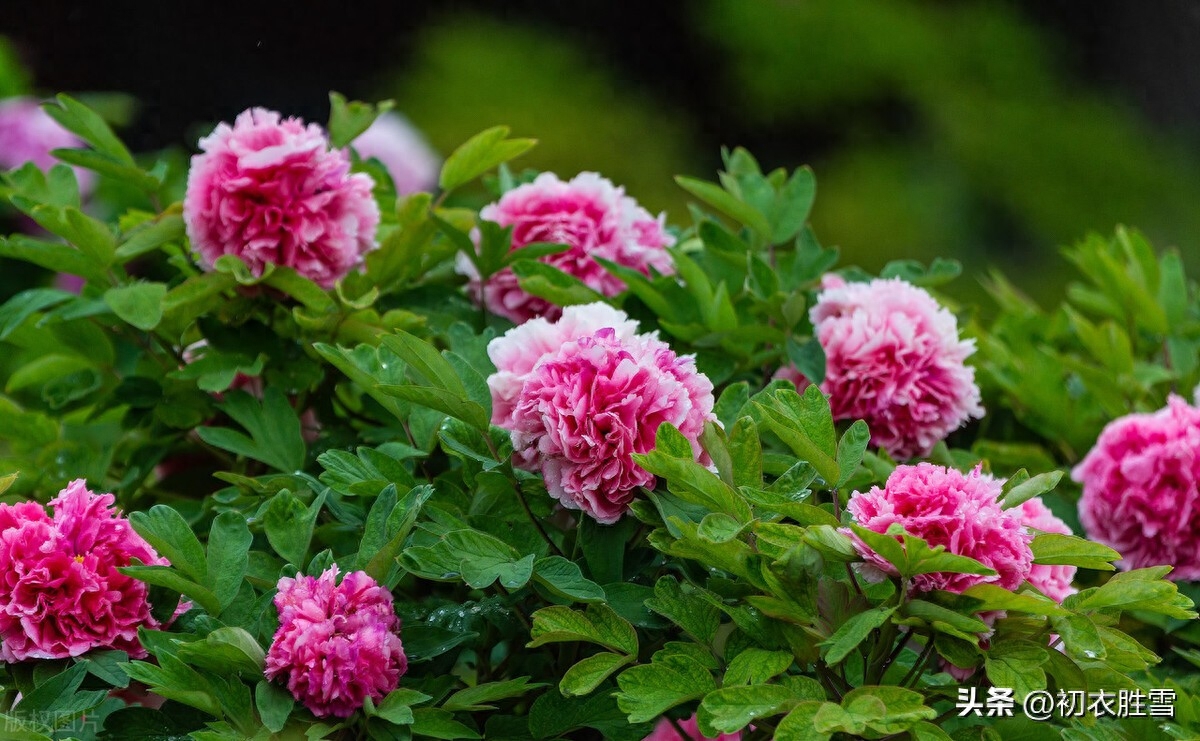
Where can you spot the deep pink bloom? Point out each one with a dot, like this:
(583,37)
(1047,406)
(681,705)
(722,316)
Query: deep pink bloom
(271,191)
(665,731)
(1141,489)
(28,134)
(62,593)
(947,508)
(1053,581)
(584,407)
(588,213)
(394,141)
(337,643)
(894,359)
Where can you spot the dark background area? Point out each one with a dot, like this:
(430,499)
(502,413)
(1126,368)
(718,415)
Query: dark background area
(995,132)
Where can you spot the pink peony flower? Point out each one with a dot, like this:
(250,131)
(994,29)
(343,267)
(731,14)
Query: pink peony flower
(28,134)
(588,213)
(410,161)
(271,191)
(1052,581)
(894,359)
(337,644)
(591,393)
(665,731)
(947,508)
(1141,489)
(62,592)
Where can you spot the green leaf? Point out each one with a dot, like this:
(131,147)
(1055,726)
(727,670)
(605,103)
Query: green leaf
(399,524)
(756,666)
(274,705)
(599,624)
(223,650)
(649,690)
(397,706)
(992,597)
(1016,664)
(808,357)
(850,450)
(603,548)
(83,121)
(853,632)
(805,424)
(438,723)
(730,709)
(586,676)
(443,401)
(799,724)
(424,360)
(275,437)
(552,284)
(479,154)
(1024,491)
(477,558)
(349,119)
(479,697)
(150,236)
(887,709)
(229,542)
(170,535)
(166,576)
(60,258)
(1052,548)
(673,460)
(25,304)
(139,304)
(302,289)
(289,525)
(565,579)
(682,606)
(1080,636)
(727,204)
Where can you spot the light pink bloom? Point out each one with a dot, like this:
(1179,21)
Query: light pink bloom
(28,134)
(584,407)
(665,731)
(894,359)
(588,213)
(1054,581)
(62,593)
(1141,489)
(337,644)
(410,161)
(947,508)
(271,191)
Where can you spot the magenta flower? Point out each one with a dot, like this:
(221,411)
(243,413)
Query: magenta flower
(1054,581)
(271,191)
(28,134)
(894,359)
(947,508)
(665,730)
(62,593)
(337,644)
(1141,489)
(394,141)
(596,395)
(588,213)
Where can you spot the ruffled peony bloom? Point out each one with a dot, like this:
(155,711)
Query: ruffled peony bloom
(588,213)
(581,396)
(947,508)
(1054,581)
(894,359)
(62,592)
(665,731)
(1141,489)
(410,161)
(28,134)
(271,191)
(337,643)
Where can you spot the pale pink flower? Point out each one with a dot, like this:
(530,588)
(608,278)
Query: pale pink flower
(337,643)
(410,161)
(28,134)
(588,213)
(894,359)
(271,191)
(947,508)
(1141,489)
(62,592)
(1054,581)
(665,730)
(583,408)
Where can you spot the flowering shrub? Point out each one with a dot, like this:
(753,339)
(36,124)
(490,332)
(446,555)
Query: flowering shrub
(581,507)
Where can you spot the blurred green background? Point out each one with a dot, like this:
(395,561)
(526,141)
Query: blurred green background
(988,131)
